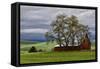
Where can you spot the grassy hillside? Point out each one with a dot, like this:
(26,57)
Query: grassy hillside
(49,56)
(40,45)
(26,45)
(56,56)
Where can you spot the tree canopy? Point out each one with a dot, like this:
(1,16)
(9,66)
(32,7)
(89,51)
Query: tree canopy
(66,31)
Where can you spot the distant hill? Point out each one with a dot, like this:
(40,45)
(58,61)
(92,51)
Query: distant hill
(28,42)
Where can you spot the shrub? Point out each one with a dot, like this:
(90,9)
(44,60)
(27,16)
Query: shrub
(32,49)
(40,50)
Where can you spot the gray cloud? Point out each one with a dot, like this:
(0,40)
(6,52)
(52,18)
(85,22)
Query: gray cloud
(38,18)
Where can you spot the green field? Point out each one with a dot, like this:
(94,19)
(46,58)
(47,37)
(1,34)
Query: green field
(50,56)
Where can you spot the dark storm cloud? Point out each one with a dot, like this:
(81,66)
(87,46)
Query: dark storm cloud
(33,25)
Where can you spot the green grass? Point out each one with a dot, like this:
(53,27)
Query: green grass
(56,56)
(40,45)
(49,56)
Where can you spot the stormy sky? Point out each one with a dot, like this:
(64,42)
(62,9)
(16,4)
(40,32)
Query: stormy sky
(36,20)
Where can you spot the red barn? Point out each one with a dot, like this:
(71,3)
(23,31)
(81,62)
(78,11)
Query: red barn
(85,45)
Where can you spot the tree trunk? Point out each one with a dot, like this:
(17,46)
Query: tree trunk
(73,39)
(59,40)
(72,42)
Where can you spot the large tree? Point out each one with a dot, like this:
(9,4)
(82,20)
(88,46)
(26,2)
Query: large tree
(66,30)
